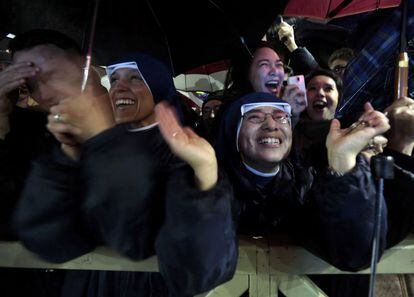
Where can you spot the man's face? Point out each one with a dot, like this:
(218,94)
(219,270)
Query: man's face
(131,98)
(60,74)
(322,98)
(264,145)
(338,66)
(210,109)
(266,71)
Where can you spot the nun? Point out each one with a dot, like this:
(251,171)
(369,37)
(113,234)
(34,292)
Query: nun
(119,183)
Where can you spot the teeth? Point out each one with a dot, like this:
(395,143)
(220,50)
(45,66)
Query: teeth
(124,102)
(272,84)
(319,104)
(269,140)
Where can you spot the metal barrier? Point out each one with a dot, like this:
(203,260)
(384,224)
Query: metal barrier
(261,270)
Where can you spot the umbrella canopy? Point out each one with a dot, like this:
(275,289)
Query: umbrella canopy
(184,33)
(207,78)
(326,9)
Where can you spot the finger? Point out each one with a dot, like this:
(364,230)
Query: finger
(65,138)
(289,89)
(377,120)
(63,128)
(167,120)
(371,115)
(58,118)
(368,107)
(60,108)
(335,126)
(10,86)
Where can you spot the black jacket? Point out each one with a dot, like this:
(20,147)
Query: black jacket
(129,192)
(26,140)
(332,216)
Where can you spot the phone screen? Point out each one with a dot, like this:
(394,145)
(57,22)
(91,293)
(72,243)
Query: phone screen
(299,80)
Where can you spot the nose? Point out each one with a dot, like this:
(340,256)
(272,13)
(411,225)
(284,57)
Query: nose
(321,93)
(121,84)
(44,94)
(270,124)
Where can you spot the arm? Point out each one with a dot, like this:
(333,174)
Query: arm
(345,198)
(48,217)
(10,79)
(301,60)
(344,215)
(197,245)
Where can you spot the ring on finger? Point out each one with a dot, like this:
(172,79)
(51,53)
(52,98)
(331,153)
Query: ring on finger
(57,117)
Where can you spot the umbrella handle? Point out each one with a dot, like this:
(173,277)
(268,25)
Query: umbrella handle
(401,76)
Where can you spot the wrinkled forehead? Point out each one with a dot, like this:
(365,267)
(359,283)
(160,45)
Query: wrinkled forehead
(43,55)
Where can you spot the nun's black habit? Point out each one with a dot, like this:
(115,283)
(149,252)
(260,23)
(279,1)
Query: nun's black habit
(129,192)
(330,215)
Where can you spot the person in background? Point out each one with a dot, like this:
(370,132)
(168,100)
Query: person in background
(339,59)
(265,72)
(210,111)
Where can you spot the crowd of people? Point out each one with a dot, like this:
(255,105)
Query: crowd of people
(120,169)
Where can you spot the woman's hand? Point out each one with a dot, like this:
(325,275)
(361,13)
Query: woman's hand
(345,144)
(188,146)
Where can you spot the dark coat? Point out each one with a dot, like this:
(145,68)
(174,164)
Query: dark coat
(26,140)
(129,192)
(332,216)
(310,139)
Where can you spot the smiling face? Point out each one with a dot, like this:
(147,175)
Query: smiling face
(264,145)
(322,98)
(266,71)
(59,77)
(131,98)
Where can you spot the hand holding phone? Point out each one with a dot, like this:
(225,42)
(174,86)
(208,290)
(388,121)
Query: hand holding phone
(295,93)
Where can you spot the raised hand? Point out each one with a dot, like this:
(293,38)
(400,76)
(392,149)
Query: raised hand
(344,144)
(188,146)
(401,134)
(77,119)
(11,78)
(286,34)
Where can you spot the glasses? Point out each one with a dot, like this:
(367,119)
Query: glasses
(258,117)
(338,69)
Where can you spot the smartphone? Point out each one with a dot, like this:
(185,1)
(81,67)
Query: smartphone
(299,80)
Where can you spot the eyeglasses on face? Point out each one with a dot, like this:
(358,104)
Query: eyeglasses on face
(258,117)
(338,69)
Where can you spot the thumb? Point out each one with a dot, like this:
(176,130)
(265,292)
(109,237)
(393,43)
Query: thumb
(335,126)
(368,107)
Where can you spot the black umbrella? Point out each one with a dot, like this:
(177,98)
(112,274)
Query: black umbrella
(186,34)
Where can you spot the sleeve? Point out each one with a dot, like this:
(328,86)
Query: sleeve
(8,191)
(48,216)
(197,245)
(398,196)
(119,201)
(302,61)
(344,209)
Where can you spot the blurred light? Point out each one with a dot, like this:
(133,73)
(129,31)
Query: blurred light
(10,35)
